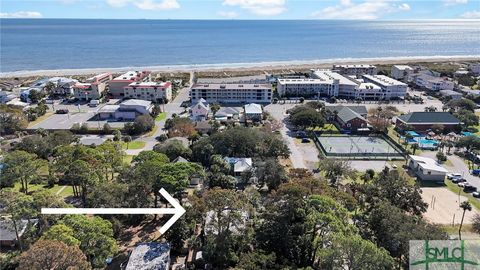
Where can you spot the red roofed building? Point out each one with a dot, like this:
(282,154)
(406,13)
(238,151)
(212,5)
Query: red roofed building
(117,85)
(93,88)
(152,91)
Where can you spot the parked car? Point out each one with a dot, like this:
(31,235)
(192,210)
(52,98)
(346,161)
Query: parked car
(476,194)
(301,134)
(462,184)
(61,111)
(476,172)
(469,188)
(94,103)
(459,180)
(305,140)
(450,176)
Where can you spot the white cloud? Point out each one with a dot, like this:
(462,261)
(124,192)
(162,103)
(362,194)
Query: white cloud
(146,4)
(454,2)
(227,14)
(153,5)
(21,14)
(366,10)
(259,7)
(474,14)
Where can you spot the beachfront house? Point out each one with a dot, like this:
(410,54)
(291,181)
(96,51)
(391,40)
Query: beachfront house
(434,83)
(450,94)
(253,112)
(423,122)
(117,85)
(426,169)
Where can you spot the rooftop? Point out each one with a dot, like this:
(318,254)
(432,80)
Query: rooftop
(383,80)
(150,84)
(429,118)
(362,110)
(132,76)
(253,108)
(136,102)
(450,93)
(354,66)
(242,79)
(217,86)
(369,87)
(403,67)
(329,76)
(428,164)
(239,164)
(149,256)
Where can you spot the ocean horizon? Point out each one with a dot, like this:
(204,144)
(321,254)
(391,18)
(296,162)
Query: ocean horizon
(58,44)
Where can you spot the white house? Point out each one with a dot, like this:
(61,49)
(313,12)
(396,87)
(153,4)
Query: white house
(200,110)
(426,168)
(148,256)
(253,112)
(239,165)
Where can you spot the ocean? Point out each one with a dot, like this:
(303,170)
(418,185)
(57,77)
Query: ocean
(50,44)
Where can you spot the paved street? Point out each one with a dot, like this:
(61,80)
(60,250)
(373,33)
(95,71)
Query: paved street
(458,166)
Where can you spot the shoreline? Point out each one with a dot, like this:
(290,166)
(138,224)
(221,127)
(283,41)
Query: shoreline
(277,65)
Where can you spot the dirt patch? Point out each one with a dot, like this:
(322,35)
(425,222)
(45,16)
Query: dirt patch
(443,206)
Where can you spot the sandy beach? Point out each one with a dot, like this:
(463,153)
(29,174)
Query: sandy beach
(245,67)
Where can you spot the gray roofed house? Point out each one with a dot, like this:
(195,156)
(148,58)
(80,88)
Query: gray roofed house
(422,122)
(150,256)
(180,159)
(227,113)
(451,94)
(347,114)
(429,118)
(239,165)
(7,230)
(362,110)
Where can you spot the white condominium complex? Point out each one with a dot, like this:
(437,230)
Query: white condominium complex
(355,70)
(152,91)
(391,88)
(323,82)
(231,93)
(434,83)
(117,84)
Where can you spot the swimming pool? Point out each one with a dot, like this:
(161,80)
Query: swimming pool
(430,144)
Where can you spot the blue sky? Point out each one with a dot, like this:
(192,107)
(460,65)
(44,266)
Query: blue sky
(242,9)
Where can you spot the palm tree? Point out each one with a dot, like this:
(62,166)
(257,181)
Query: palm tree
(465,206)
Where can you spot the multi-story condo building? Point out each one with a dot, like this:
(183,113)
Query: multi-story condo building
(434,83)
(369,91)
(306,87)
(152,91)
(116,85)
(93,88)
(355,70)
(400,72)
(391,88)
(323,82)
(231,93)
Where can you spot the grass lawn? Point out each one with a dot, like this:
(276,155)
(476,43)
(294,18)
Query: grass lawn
(68,191)
(454,188)
(133,145)
(161,116)
(128,159)
(152,132)
(40,119)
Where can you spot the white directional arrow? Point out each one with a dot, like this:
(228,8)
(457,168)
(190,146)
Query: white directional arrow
(177,211)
